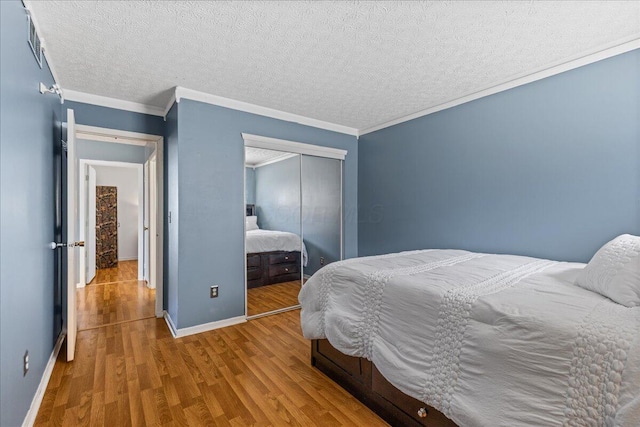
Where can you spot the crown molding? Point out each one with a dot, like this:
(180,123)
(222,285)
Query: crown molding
(118,104)
(613,49)
(172,101)
(603,52)
(194,95)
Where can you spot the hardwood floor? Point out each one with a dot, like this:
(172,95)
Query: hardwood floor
(126,270)
(272,297)
(253,374)
(106,301)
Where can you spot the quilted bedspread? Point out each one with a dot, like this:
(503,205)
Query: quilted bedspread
(489,340)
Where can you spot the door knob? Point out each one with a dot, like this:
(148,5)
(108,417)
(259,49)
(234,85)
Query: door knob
(55,245)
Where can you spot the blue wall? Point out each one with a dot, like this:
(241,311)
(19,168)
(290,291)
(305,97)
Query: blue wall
(210,158)
(250,186)
(278,195)
(97,150)
(111,118)
(30,292)
(549,169)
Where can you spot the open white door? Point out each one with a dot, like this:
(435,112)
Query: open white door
(90,245)
(72,234)
(145,180)
(153,230)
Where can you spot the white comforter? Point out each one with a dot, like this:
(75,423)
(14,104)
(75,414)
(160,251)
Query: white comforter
(489,340)
(270,240)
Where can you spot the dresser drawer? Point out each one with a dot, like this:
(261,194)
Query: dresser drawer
(350,364)
(284,257)
(254,273)
(420,412)
(281,269)
(253,261)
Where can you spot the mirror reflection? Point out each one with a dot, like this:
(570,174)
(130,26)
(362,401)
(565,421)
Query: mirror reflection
(276,254)
(321,211)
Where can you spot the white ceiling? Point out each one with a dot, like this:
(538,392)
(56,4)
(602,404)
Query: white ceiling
(357,64)
(256,157)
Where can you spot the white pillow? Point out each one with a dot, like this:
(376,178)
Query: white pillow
(614,271)
(251,223)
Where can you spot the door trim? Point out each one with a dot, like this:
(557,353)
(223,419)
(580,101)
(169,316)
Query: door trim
(258,141)
(156,144)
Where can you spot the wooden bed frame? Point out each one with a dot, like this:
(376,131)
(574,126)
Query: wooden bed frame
(268,268)
(361,378)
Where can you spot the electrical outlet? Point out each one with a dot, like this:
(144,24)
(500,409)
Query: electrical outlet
(321,260)
(25,363)
(213,291)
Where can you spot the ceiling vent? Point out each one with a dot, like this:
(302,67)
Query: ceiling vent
(34,41)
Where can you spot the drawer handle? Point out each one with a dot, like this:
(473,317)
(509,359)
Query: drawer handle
(422,412)
(286,269)
(286,257)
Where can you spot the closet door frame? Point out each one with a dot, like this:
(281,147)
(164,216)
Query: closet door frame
(257,141)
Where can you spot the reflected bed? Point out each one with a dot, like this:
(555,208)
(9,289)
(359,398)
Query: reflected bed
(272,256)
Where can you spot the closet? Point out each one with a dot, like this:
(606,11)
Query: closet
(293,218)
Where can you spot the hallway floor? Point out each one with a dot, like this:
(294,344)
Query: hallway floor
(114,296)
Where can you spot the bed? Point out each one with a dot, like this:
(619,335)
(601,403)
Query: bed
(272,256)
(449,337)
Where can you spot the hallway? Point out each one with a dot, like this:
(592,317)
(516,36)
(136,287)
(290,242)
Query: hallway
(114,296)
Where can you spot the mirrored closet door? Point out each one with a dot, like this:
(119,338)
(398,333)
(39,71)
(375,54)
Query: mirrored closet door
(273,240)
(293,223)
(321,211)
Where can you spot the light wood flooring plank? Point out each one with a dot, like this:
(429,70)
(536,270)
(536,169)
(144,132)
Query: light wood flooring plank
(253,374)
(272,297)
(126,270)
(114,296)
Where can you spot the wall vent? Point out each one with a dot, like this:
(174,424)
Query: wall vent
(34,41)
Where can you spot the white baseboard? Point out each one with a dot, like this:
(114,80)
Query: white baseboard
(179,333)
(172,327)
(80,285)
(135,258)
(30,419)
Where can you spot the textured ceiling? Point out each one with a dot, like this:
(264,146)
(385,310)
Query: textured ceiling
(357,64)
(256,156)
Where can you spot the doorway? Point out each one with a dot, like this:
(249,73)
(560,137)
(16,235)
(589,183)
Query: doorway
(112,217)
(117,278)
